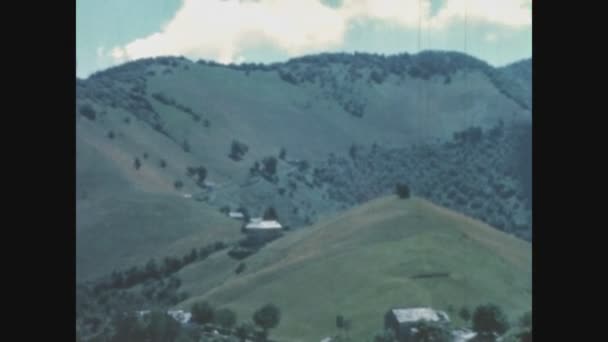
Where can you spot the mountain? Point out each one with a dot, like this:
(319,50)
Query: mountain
(164,143)
(388,252)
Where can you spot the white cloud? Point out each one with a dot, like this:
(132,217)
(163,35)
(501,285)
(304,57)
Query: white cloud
(223,30)
(118,54)
(511,13)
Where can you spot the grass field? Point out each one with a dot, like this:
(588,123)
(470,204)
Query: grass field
(367,260)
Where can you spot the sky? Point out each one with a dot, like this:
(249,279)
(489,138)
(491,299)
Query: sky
(111,32)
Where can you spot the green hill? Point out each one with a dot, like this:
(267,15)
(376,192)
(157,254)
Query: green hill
(388,252)
(125,217)
(170,114)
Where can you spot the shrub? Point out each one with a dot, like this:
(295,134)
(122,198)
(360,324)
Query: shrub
(237,150)
(240,268)
(303,165)
(377,77)
(253,170)
(200,173)
(178,184)
(267,317)
(202,313)
(245,330)
(270,214)
(152,269)
(431,332)
(465,314)
(186,146)
(137,164)
(489,319)
(288,77)
(270,166)
(240,253)
(225,318)
(282,154)
(402,190)
(88,112)
(111,134)
(352,151)
(340,322)
(163,163)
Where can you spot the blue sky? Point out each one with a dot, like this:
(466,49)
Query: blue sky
(110,32)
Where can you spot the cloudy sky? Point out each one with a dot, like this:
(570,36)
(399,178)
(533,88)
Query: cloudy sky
(109,32)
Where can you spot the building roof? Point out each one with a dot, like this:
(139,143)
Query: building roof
(236,214)
(417,314)
(181,316)
(261,224)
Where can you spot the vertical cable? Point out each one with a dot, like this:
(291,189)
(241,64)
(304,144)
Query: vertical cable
(428,120)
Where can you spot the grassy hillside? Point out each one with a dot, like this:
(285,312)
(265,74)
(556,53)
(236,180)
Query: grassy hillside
(366,260)
(134,228)
(521,73)
(170,114)
(125,217)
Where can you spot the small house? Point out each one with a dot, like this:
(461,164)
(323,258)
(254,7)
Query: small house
(259,224)
(403,321)
(261,230)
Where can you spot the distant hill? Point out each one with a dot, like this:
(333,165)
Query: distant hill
(388,252)
(146,130)
(521,73)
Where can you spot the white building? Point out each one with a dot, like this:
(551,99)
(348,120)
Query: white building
(418,314)
(258,224)
(403,321)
